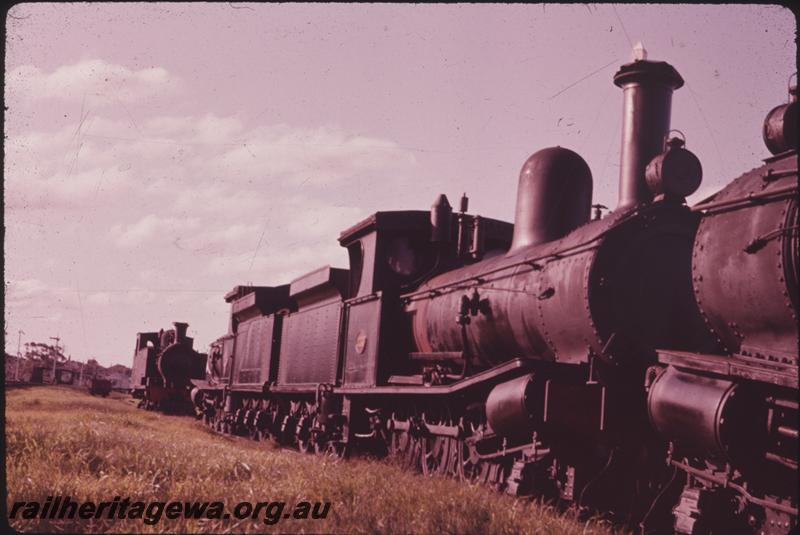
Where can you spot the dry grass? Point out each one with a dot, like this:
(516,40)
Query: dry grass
(61,441)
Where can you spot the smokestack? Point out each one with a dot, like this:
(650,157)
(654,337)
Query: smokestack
(180,330)
(647,101)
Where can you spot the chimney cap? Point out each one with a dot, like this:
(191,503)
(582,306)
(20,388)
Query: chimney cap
(646,71)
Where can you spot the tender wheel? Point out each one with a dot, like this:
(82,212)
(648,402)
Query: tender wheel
(303,435)
(255,434)
(286,436)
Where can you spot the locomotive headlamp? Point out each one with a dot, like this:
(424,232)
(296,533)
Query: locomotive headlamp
(675,173)
(780,125)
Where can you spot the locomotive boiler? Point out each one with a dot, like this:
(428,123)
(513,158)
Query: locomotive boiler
(164,363)
(642,363)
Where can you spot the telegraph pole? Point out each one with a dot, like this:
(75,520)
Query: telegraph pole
(19,355)
(55,357)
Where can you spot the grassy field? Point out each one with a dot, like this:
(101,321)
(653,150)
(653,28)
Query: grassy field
(61,441)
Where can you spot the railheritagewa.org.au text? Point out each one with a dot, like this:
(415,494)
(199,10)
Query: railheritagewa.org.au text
(64,507)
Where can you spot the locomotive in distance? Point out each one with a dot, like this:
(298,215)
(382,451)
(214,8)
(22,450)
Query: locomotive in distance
(164,363)
(643,363)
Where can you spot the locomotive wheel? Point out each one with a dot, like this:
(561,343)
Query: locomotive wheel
(469,467)
(451,469)
(497,476)
(399,442)
(435,455)
(415,453)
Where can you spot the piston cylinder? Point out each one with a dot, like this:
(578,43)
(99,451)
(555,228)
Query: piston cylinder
(708,414)
(514,408)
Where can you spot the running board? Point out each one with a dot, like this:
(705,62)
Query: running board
(508,368)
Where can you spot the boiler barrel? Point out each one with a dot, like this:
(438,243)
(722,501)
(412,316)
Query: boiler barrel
(562,301)
(175,364)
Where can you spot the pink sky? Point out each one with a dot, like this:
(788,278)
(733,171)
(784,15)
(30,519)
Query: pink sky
(159,154)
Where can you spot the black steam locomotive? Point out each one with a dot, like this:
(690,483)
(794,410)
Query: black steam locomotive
(164,363)
(643,363)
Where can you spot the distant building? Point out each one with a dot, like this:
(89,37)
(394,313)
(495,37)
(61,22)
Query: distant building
(71,372)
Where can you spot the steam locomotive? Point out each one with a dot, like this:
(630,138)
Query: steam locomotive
(164,363)
(642,363)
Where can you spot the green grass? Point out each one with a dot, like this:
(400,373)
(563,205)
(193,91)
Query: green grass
(61,441)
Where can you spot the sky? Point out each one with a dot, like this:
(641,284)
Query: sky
(156,155)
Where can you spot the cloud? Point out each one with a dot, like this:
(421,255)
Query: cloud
(25,289)
(95,78)
(217,240)
(99,298)
(299,156)
(278,265)
(35,298)
(207,163)
(150,228)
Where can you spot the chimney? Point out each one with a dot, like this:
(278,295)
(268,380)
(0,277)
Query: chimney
(180,331)
(647,100)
